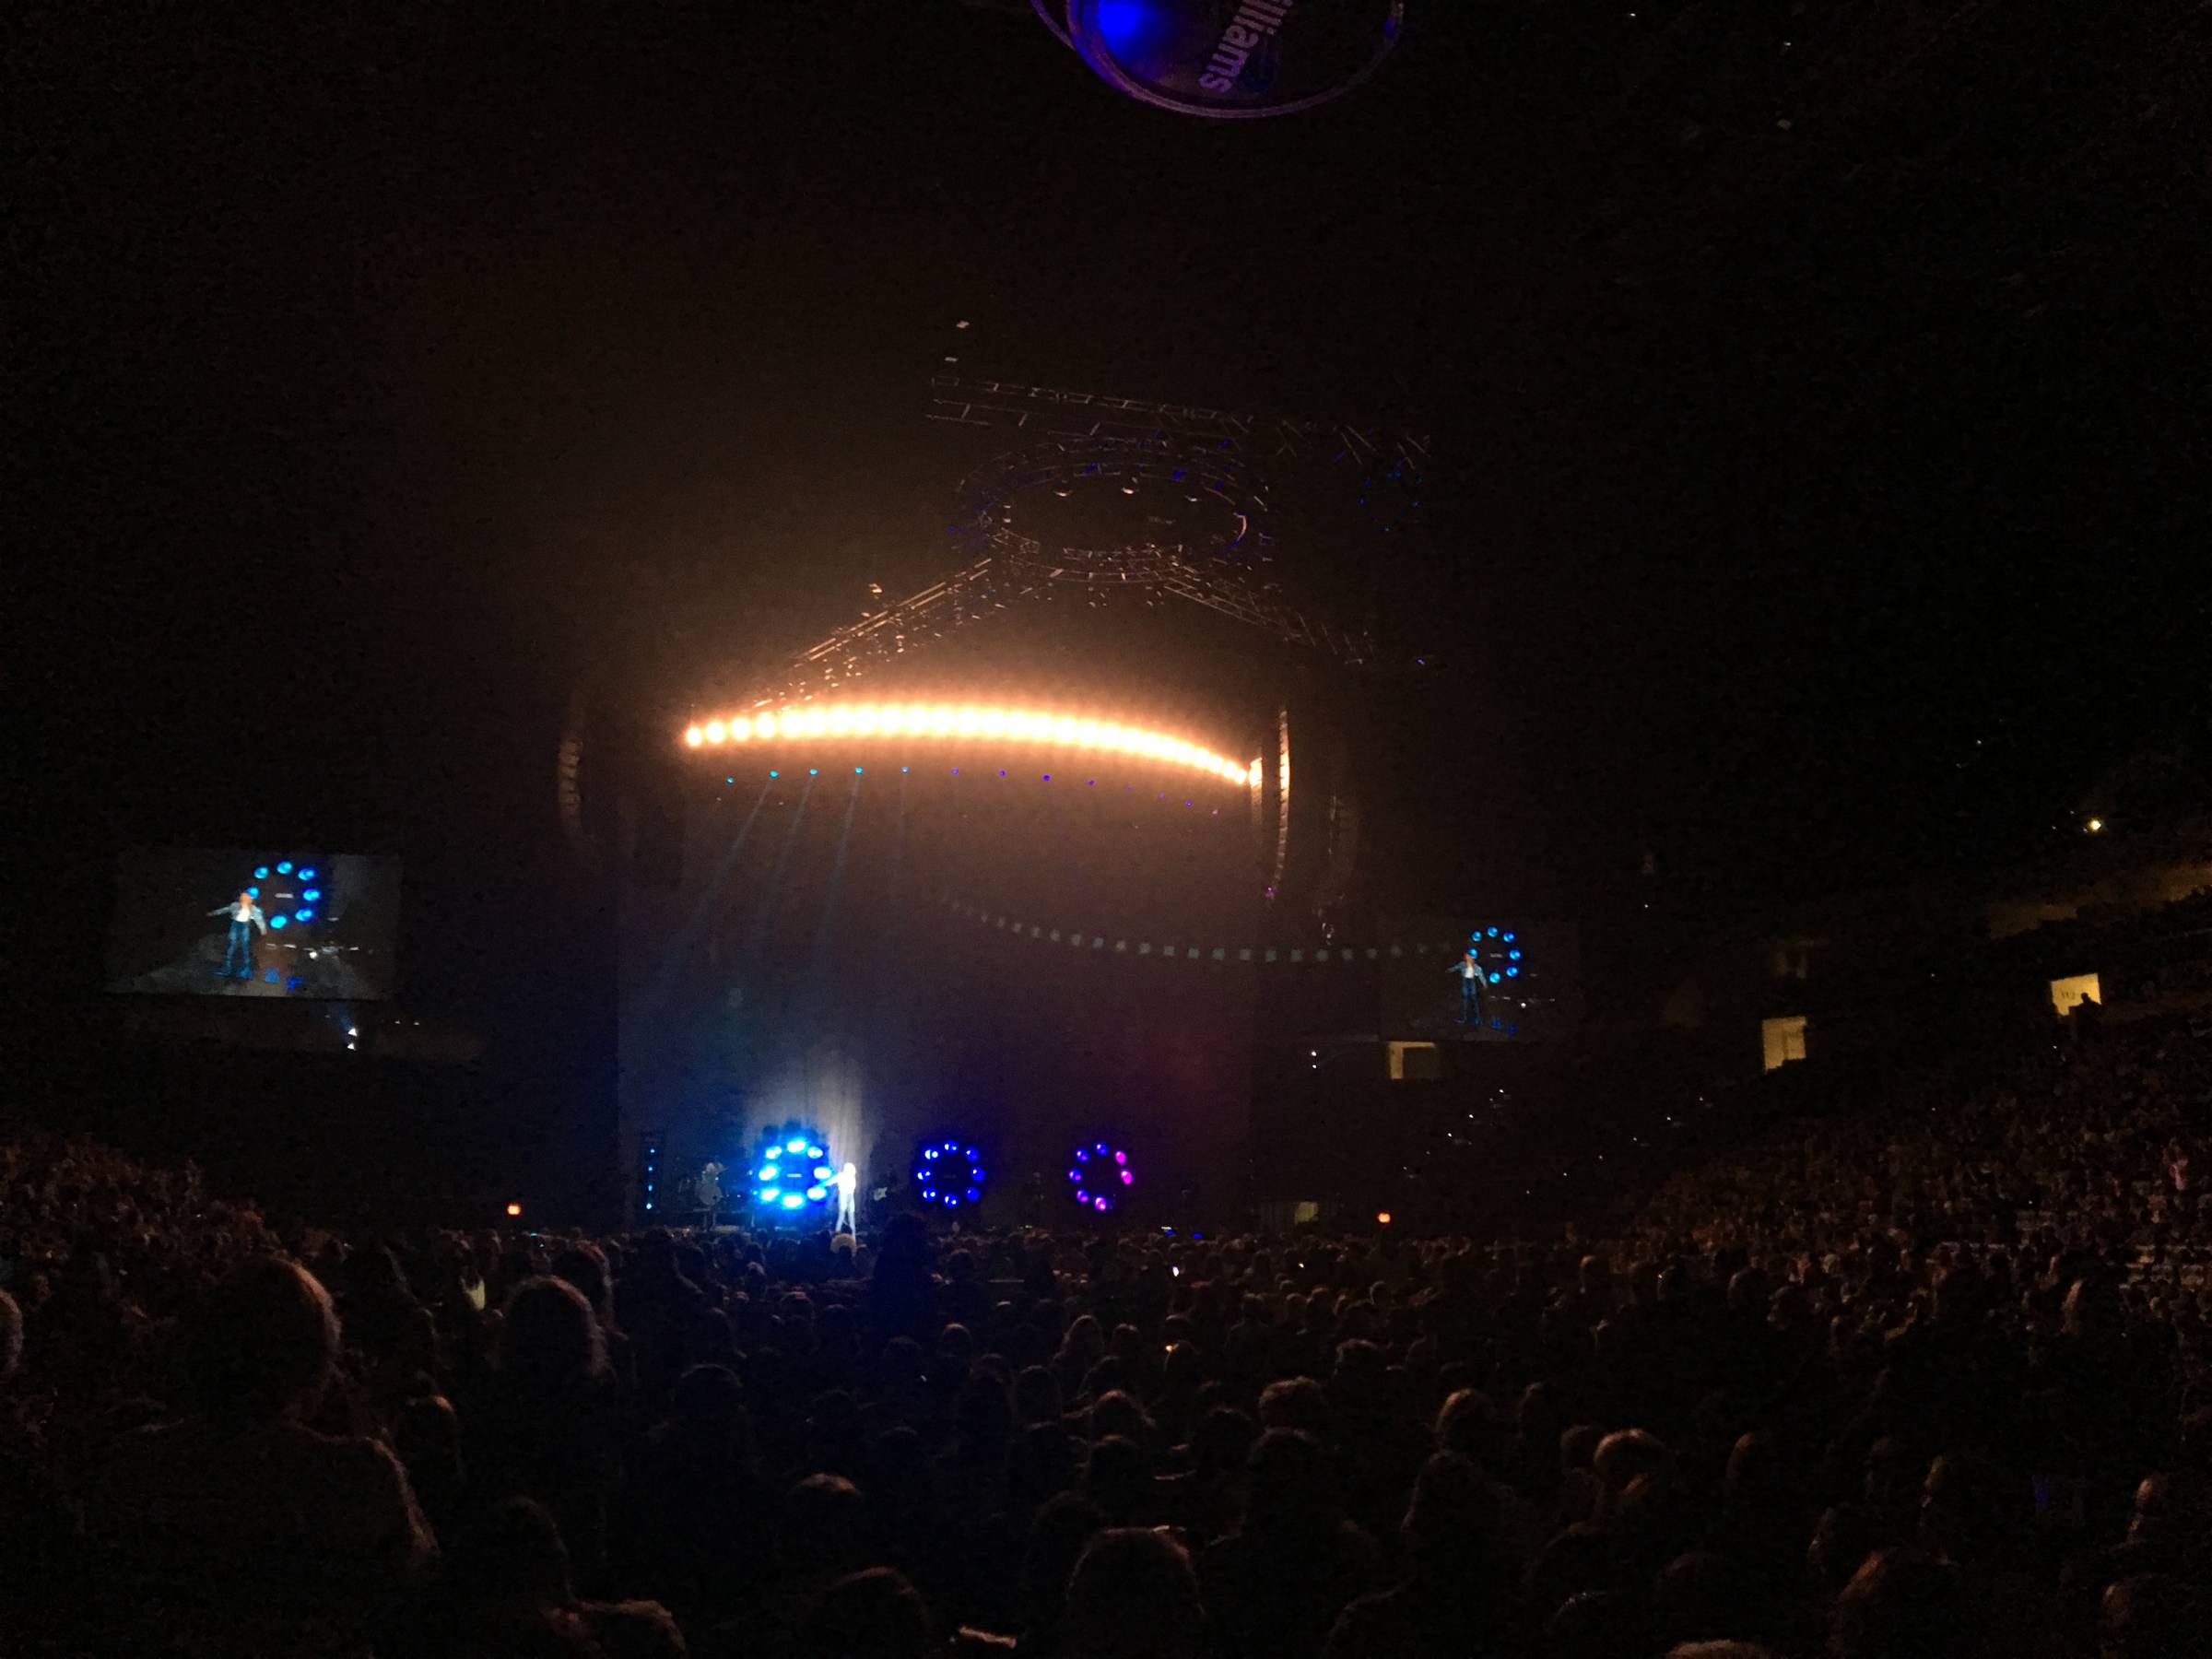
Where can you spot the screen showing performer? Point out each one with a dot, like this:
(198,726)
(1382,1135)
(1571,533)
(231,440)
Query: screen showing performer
(202,922)
(1485,979)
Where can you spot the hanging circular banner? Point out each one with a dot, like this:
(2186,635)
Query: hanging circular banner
(1232,59)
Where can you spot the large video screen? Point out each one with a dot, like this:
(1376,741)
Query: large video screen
(1488,979)
(202,922)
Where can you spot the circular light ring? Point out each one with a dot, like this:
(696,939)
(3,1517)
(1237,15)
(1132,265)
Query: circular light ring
(950,1174)
(1099,1176)
(787,1181)
(1190,83)
(1038,728)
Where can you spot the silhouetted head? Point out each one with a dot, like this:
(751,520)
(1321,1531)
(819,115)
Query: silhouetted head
(1902,1603)
(2149,1617)
(825,1525)
(1133,1597)
(871,1614)
(261,1347)
(1292,1487)
(549,1336)
(513,1553)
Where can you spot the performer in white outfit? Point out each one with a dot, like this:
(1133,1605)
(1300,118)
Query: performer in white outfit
(848,1182)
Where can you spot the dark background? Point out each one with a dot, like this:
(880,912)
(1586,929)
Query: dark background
(1825,502)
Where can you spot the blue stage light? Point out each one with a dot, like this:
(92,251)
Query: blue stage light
(856,769)
(1512,973)
(945,1170)
(312,893)
(262,874)
(284,866)
(824,1173)
(307,874)
(279,921)
(306,914)
(271,975)
(1512,956)
(254,892)
(783,1189)
(1509,938)
(1126,25)
(814,771)
(774,773)
(1492,932)
(1495,976)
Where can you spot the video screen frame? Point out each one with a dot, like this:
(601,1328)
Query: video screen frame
(290,924)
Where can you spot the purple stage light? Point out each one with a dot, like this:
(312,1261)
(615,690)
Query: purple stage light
(1084,1182)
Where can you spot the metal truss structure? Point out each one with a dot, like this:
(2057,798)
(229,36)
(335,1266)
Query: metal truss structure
(1047,412)
(1078,435)
(1016,571)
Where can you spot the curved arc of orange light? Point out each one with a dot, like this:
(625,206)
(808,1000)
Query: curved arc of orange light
(1056,729)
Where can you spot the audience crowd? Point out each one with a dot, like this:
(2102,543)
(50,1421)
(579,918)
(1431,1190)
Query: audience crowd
(1924,1381)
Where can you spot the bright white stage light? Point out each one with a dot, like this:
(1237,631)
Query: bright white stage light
(694,736)
(716,732)
(741,730)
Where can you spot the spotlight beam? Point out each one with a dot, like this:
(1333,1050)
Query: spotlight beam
(686,938)
(756,933)
(817,969)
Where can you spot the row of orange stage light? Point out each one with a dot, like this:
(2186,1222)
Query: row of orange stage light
(970,719)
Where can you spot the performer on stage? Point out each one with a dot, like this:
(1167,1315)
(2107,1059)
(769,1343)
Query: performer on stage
(710,1192)
(1470,969)
(245,917)
(848,1182)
